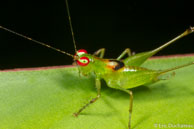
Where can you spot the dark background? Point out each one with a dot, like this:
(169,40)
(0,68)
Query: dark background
(112,24)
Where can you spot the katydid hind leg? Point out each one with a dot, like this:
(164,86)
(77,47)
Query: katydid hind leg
(175,68)
(100,52)
(98,87)
(130,105)
(126,51)
(140,58)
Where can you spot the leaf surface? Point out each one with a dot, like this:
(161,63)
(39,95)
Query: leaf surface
(46,99)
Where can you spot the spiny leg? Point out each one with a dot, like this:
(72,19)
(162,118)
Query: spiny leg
(98,87)
(101,51)
(126,51)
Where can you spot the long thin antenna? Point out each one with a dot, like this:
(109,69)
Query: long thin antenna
(69,17)
(38,42)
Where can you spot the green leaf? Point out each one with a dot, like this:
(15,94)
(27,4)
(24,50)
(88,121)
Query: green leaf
(46,99)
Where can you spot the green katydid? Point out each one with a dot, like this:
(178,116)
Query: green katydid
(118,74)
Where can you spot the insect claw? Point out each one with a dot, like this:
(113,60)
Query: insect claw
(188,31)
(75,114)
(192,29)
(133,53)
(74,63)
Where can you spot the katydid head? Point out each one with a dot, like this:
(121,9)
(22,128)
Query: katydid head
(83,60)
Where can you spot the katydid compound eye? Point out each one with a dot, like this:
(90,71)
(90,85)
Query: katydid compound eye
(81,52)
(83,61)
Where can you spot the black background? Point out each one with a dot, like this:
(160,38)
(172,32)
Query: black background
(112,24)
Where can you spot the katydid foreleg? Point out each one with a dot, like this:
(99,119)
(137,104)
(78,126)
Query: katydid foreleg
(98,87)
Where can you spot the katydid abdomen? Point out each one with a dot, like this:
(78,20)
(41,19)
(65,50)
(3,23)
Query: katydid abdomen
(133,76)
(130,77)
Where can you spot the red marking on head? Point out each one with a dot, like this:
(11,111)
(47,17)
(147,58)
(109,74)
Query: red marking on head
(80,52)
(83,61)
